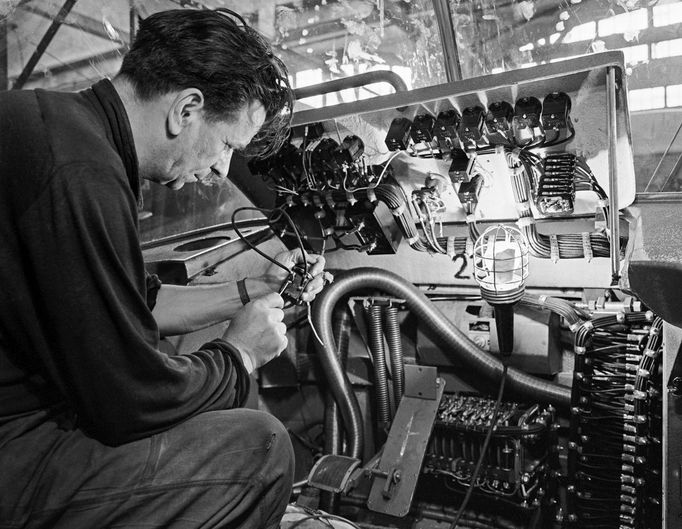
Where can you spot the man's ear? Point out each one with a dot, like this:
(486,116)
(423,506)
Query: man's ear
(185,107)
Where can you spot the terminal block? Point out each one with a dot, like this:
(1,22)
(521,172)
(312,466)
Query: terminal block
(555,188)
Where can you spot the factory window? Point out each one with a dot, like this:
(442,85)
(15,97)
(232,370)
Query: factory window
(667,14)
(666,48)
(647,98)
(624,24)
(580,33)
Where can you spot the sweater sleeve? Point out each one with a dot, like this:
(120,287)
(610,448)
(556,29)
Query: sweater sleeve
(153,285)
(100,339)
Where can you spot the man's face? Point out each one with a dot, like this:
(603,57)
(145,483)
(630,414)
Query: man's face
(204,149)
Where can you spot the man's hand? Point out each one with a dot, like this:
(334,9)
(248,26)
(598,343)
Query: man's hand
(257,330)
(318,277)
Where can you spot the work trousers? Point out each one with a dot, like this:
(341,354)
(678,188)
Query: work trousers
(227,469)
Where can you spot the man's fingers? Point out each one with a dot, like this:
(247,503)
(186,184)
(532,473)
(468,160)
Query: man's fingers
(315,285)
(319,281)
(317,262)
(273,300)
(291,257)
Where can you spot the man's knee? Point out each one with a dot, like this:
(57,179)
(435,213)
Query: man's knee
(265,426)
(241,436)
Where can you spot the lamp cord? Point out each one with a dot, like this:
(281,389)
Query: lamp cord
(479,463)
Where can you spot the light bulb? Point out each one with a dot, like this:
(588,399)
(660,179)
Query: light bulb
(501,264)
(501,269)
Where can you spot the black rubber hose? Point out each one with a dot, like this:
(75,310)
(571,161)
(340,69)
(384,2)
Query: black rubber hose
(333,431)
(460,346)
(376,346)
(332,424)
(395,351)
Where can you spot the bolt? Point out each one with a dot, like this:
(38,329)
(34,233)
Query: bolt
(676,387)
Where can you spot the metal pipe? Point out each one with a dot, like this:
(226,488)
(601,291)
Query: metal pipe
(612,131)
(43,44)
(448,39)
(354,81)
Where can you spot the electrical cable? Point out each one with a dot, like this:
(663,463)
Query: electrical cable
(484,448)
(557,141)
(381,176)
(249,243)
(297,234)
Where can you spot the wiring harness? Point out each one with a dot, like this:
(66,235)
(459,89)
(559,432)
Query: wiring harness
(614,445)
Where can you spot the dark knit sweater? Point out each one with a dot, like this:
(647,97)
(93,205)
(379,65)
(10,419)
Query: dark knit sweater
(76,332)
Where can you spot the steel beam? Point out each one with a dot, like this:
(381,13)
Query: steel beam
(448,39)
(81,22)
(43,44)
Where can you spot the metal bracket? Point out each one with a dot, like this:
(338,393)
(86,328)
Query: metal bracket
(395,480)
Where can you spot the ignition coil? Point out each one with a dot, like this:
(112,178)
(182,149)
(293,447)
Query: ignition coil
(526,123)
(350,150)
(445,129)
(422,128)
(556,109)
(398,136)
(469,192)
(460,168)
(471,127)
(499,121)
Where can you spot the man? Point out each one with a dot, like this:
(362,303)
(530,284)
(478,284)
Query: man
(98,428)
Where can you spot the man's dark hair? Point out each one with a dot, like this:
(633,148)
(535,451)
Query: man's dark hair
(230,62)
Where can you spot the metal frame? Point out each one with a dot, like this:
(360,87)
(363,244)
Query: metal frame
(671,467)
(448,39)
(612,127)
(43,44)
(76,21)
(613,159)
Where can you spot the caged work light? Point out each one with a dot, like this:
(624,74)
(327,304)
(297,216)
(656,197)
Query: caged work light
(500,269)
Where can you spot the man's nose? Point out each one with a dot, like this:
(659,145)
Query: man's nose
(222,165)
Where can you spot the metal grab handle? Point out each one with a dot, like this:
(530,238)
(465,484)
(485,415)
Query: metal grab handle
(355,81)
